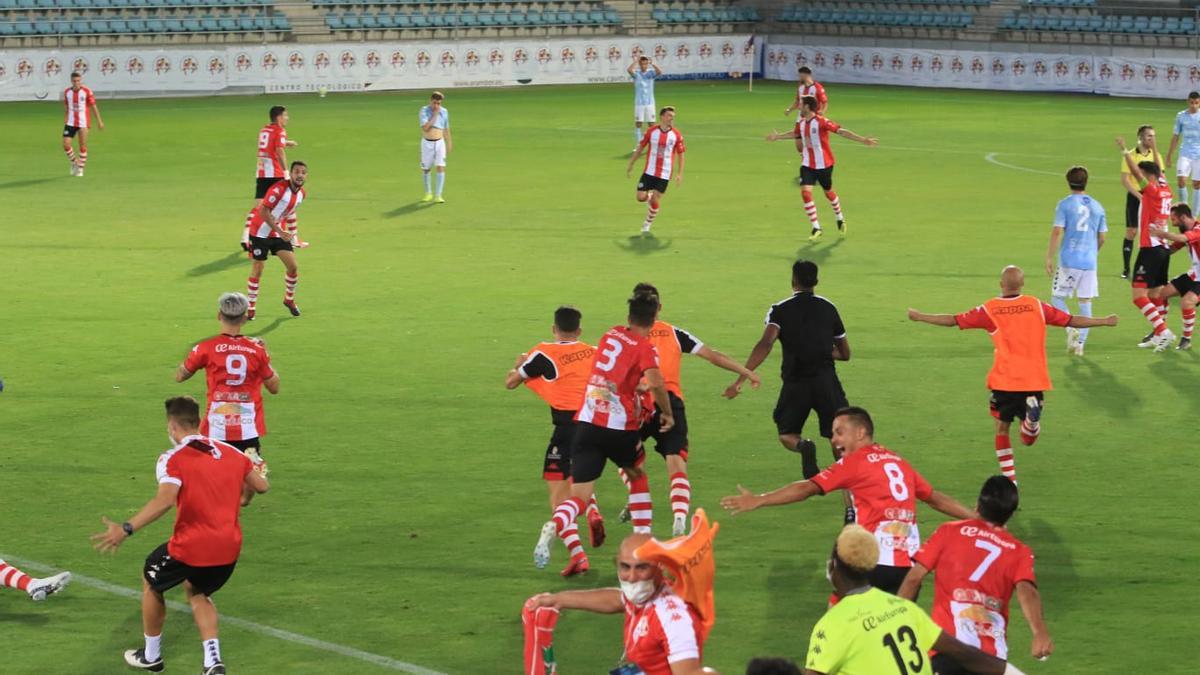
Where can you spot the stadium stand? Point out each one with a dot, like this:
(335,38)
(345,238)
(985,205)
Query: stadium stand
(915,18)
(695,16)
(1093,22)
(392,19)
(98,22)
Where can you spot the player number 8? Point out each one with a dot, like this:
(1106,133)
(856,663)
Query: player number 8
(235,365)
(896,481)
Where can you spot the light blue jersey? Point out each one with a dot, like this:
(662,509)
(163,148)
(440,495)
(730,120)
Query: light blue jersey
(443,120)
(1081,219)
(1187,126)
(643,85)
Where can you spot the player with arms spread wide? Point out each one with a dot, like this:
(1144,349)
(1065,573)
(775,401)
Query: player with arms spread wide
(1075,241)
(272,162)
(664,146)
(76,100)
(1154,254)
(807,86)
(267,236)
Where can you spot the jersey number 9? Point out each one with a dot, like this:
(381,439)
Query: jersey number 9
(235,366)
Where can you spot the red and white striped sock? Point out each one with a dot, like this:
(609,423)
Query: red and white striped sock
(289,283)
(681,494)
(1004,455)
(252,291)
(1163,306)
(70,154)
(1029,435)
(1189,322)
(810,208)
(1150,311)
(13,577)
(570,539)
(640,512)
(565,515)
(82,157)
(651,214)
(592,506)
(835,203)
(624,477)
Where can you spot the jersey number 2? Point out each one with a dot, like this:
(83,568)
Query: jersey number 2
(235,366)
(905,634)
(612,349)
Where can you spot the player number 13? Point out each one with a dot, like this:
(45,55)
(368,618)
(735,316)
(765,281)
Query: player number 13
(905,634)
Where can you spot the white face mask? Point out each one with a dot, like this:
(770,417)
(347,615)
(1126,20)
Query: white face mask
(638,592)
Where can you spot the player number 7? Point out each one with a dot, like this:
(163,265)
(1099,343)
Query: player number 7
(993,553)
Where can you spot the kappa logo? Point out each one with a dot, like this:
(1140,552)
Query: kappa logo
(1019,309)
(258,251)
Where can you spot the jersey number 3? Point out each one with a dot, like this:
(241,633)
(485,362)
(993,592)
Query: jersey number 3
(612,349)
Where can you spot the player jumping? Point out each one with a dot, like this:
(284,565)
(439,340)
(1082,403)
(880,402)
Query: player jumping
(77,99)
(268,237)
(1075,241)
(272,158)
(663,143)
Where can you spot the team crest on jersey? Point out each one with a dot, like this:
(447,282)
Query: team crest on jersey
(347,59)
(398,60)
(566,55)
(108,66)
(134,65)
(243,62)
(682,51)
(162,65)
(270,61)
(705,51)
(660,52)
(543,56)
(52,67)
(80,65)
(295,61)
(591,54)
(641,629)
(216,65)
(321,61)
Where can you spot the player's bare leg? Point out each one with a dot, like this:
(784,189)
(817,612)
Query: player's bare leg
(290,279)
(154,615)
(256,270)
(246,228)
(1004,453)
(205,614)
(810,209)
(681,494)
(82,160)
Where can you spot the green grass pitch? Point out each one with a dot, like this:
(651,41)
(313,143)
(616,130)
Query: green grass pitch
(406,481)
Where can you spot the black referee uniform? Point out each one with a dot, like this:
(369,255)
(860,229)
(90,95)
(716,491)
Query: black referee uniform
(808,325)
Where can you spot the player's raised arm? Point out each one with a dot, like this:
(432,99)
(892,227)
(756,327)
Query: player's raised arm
(935,319)
(1132,165)
(1031,606)
(746,500)
(657,70)
(869,141)
(949,505)
(599,600)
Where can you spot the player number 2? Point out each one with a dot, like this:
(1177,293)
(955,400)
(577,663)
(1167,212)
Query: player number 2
(264,139)
(905,634)
(993,552)
(896,481)
(235,365)
(612,349)
(1082,216)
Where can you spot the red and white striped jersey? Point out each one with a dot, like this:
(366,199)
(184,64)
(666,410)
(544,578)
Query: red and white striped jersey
(236,366)
(663,631)
(611,399)
(1193,246)
(270,139)
(816,91)
(282,200)
(76,103)
(664,145)
(1155,209)
(815,132)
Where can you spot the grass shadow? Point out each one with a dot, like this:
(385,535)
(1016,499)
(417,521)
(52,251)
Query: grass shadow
(814,251)
(1086,376)
(1172,372)
(279,321)
(29,182)
(219,265)
(644,244)
(1055,558)
(407,209)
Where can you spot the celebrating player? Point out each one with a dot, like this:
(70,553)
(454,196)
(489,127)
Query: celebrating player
(1154,255)
(203,479)
(807,86)
(272,160)
(1144,151)
(238,367)
(663,144)
(1075,241)
(435,144)
(38,589)
(1019,376)
(558,373)
(77,99)
(671,343)
(978,564)
(816,164)
(885,488)
(1185,285)
(644,72)
(268,237)
(1186,139)
(869,631)
(610,420)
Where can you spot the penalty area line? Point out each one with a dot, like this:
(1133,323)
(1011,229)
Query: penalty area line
(261,629)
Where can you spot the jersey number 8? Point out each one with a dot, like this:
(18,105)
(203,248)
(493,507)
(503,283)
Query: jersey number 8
(896,481)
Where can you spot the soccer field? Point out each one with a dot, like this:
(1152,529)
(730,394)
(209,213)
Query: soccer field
(406,494)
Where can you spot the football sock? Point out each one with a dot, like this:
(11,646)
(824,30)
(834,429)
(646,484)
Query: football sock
(153,647)
(637,135)
(289,282)
(565,515)
(1030,433)
(1148,310)
(441,182)
(835,203)
(82,157)
(810,208)
(1085,309)
(428,184)
(212,652)
(1004,455)
(70,154)
(1126,253)
(570,539)
(1183,194)
(640,513)
(592,506)
(1189,322)
(252,290)
(681,494)
(1059,302)
(13,577)
(1163,306)
(624,477)
(651,214)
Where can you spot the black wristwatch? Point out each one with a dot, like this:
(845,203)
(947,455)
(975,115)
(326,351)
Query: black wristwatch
(128,528)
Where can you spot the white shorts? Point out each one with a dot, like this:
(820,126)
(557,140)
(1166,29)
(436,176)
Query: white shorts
(1072,282)
(1188,167)
(643,113)
(433,153)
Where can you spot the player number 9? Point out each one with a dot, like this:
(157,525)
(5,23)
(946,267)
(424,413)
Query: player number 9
(264,139)
(235,365)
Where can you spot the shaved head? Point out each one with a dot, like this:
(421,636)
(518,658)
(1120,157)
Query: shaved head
(632,569)
(631,544)
(1012,279)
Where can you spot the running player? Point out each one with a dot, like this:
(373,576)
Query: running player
(77,99)
(643,72)
(558,372)
(1154,255)
(1142,152)
(816,164)
(978,565)
(1019,376)
(436,144)
(807,86)
(671,343)
(237,367)
(885,488)
(272,160)
(268,238)
(1075,241)
(664,145)
(609,423)
(1186,139)
(37,589)
(1186,285)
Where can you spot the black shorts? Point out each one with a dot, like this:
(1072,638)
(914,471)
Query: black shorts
(70,131)
(888,578)
(675,440)
(943,664)
(1150,269)
(557,465)
(797,398)
(261,186)
(1133,211)
(813,176)
(1185,284)
(260,247)
(163,573)
(1007,406)
(648,182)
(594,445)
(246,444)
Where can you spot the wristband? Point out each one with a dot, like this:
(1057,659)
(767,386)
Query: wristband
(127,528)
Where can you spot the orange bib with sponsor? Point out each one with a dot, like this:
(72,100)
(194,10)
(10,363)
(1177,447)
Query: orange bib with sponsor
(689,564)
(1019,362)
(572,363)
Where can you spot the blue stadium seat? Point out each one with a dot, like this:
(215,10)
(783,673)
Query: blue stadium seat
(1187,25)
(533,17)
(1141,24)
(156,26)
(81,27)
(368,21)
(334,21)
(118,26)
(25,4)
(403,22)
(350,21)
(44,4)
(8,28)
(8,4)
(227,24)
(101,26)
(42,27)
(419,20)
(487,19)
(386,20)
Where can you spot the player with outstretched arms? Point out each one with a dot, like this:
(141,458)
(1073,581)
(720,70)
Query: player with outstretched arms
(664,149)
(1186,285)
(643,72)
(807,86)
(271,168)
(436,144)
(1075,240)
(1186,139)
(1154,255)
(77,99)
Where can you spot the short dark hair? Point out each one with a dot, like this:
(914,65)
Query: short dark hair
(643,309)
(643,57)
(858,416)
(567,318)
(1077,177)
(184,410)
(804,273)
(666,109)
(1151,168)
(276,111)
(645,287)
(437,96)
(811,102)
(296,164)
(805,70)
(76,74)
(1193,95)
(1144,128)
(771,666)
(1181,209)
(998,500)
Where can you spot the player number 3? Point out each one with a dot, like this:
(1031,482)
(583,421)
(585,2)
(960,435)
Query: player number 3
(612,349)
(235,365)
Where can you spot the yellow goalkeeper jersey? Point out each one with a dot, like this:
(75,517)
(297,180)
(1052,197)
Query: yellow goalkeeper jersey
(1139,157)
(873,633)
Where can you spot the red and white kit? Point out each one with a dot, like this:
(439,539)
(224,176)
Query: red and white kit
(1155,209)
(815,132)
(207,532)
(270,139)
(611,399)
(885,489)
(236,366)
(816,91)
(661,632)
(663,146)
(77,103)
(977,566)
(282,201)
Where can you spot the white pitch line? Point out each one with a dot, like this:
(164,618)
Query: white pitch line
(991,157)
(278,633)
